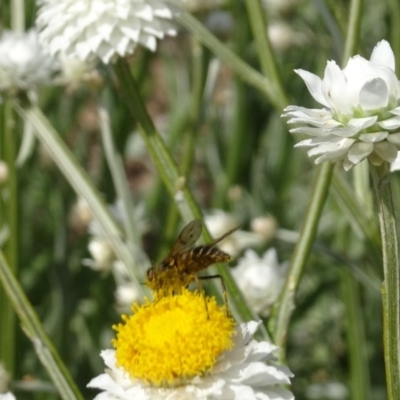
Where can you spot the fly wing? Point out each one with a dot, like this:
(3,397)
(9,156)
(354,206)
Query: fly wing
(187,238)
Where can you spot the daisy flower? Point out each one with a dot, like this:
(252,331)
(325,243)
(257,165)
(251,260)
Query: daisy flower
(104,29)
(361,114)
(179,348)
(23,62)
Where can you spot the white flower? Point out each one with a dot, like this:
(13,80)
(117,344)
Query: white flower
(7,396)
(74,72)
(218,222)
(4,382)
(361,117)
(102,254)
(23,62)
(126,294)
(246,372)
(328,391)
(104,29)
(260,279)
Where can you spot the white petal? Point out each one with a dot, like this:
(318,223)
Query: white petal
(386,150)
(362,123)
(308,130)
(359,151)
(314,85)
(334,88)
(394,138)
(395,111)
(395,166)
(383,55)
(391,123)
(360,71)
(373,137)
(374,94)
(338,145)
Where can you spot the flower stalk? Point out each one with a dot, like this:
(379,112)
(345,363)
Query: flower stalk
(284,307)
(391,282)
(32,327)
(9,221)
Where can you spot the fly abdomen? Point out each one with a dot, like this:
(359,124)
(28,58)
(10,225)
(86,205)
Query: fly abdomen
(202,256)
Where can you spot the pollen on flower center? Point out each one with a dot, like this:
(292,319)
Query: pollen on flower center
(171,340)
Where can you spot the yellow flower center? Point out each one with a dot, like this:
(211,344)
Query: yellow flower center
(171,340)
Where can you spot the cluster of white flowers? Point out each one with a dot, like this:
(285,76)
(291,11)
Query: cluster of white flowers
(361,118)
(104,29)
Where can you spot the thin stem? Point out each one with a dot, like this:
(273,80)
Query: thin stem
(168,170)
(115,164)
(264,50)
(32,327)
(242,69)
(394,15)
(18,15)
(358,361)
(10,219)
(391,283)
(353,30)
(285,306)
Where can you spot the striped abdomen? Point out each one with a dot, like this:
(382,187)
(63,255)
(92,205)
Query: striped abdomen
(200,258)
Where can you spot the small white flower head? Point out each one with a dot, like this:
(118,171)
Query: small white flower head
(23,62)
(283,37)
(265,226)
(7,396)
(102,255)
(260,279)
(328,391)
(218,222)
(173,349)
(125,295)
(361,118)
(104,29)
(4,380)
(75,72)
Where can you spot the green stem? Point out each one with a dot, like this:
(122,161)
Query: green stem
(118,175)
(10,219)
(242,69)
(391,283)
(285,306)
(358,361)
(354,212)
(34,330)
(264,49)
(394,15)
(353,30)
(172,179)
